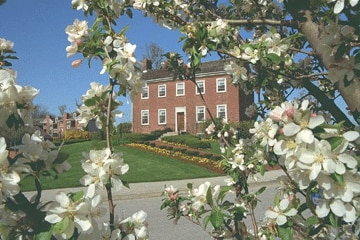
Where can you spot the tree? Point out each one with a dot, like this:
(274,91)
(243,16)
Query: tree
(41,111)
(276,48)
(62,109)
(154,53)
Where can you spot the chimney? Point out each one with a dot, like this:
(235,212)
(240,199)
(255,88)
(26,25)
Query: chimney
(146,65)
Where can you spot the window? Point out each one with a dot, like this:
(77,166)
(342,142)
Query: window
(200,113)
(145,93)
(200,85)
(180,89)
(144,117)
(221,85)
(162,90)
(221,111)
(162,116)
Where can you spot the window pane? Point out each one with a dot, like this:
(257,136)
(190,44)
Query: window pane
(221,111)
(180,89)
(145,92)
(145,117)
(162,90)
(201,87)
(221,87)
(162,116)
(200,114)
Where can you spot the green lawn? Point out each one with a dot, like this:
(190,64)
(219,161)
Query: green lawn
(144,167)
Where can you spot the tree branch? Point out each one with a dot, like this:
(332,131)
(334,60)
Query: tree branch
(327,103)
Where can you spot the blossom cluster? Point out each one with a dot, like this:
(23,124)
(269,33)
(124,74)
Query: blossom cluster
(40,155)
(16,100)
(269,50)
(84,213)
(116,53)
(103,167)
(95,103)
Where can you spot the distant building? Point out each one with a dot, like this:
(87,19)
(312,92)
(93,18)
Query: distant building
(56,127)
(176,104)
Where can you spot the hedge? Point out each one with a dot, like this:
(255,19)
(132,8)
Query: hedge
(188,140)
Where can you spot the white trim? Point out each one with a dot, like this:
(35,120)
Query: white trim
(159,110)
(177,110)
(196,89)
(183,88)
(161,85)
(142,97)
(217,110)
(204,111)
(217,85)
(141,117)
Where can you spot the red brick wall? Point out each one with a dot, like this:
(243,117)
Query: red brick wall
(189,101)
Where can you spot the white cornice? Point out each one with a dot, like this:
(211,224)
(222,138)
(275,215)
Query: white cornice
(198,75)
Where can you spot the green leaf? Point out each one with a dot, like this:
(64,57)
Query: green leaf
(209,198)
(90,102)
(333,220)
(61,226)
(43,236)
(239,214)
(260,191)
(123,31)
(337,178)
(77,196)
(190,186)
(312,220)
(273,58)
(286,232)
(217,218)
(262,170)
(335,142)
(223,191)
(206,221)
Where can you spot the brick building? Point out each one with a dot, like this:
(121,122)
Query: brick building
(56,127)
(176,104)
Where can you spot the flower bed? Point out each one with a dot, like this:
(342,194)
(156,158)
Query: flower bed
(212,165)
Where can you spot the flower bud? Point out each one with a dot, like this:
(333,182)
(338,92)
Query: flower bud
(76,63)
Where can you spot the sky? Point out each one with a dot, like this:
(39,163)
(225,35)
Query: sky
(37,28)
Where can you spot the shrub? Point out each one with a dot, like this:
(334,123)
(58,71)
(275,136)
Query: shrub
(207,155)
(243,128)
(138,137)
(158,133)
(124,128)
(193,153)
(76,135)
(98,135)
(188,140)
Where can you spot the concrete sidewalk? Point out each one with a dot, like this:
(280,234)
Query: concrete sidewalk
(154,189)
(147,197)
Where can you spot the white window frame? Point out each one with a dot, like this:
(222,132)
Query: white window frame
(198,109)
(218,85)
(196,87)
(178,88)
(160,86)
(218,108)
(160,116)
(143,113)
(145,90)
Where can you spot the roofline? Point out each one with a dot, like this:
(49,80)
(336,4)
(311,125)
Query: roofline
(197,75)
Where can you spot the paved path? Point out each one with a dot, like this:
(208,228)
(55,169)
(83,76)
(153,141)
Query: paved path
(146,196)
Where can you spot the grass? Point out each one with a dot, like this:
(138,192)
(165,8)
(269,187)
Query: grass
(144,167)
